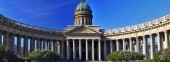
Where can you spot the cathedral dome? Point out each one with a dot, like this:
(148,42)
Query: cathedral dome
(83,6)
(83,14)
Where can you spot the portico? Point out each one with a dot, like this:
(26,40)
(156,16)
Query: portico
(83,43)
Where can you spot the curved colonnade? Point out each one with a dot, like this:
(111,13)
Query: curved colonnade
(146,38)
(13,32)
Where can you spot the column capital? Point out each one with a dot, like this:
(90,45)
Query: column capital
(25,37)
(165,31)
(61,40)
(99,39)
(73,39)
(32,37)
(130,38)
(93,39)
(52,41)
(143,35)
(150,34)
(136,37)
(124,39)
(79,39)
(67,39)
(105,39)
(86,39)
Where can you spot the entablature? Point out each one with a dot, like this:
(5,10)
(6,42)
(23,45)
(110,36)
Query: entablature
(140,27)
(25,27)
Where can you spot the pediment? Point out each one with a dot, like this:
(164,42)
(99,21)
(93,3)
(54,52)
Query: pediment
(82,30)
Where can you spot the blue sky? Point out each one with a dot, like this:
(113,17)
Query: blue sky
(108,14)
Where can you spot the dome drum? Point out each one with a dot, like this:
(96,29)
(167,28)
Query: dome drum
(83,15)
(83,12)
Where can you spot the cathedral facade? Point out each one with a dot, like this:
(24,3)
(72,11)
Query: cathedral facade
(83,40)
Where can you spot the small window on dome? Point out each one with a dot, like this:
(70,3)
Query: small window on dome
(86,10)
(82,9)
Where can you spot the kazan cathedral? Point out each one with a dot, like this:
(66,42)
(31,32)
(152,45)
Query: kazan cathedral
(83,40)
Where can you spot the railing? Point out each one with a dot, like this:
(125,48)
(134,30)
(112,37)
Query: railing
(140,26)
(19,24)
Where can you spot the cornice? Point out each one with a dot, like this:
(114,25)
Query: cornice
(163,21)
(29,28)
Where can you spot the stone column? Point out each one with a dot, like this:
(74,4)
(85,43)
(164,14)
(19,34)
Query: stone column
(62,49)
(144,47)
(25,46)
(68,49)
(49,45)
(6,40)
(11,42)
(137,45)
(87,21)
(99,50)
(74,50)
(93,58)
(166,39)
(84,20)
(111,46)
(43,44)
(105,52)
(54,46)
(159,42)
(37,44)
(19,45)
(0,37)
(46,44)
(117,45)
(32,44)
(58,46)
(86,49)
(80,52)
(131,44)
(124,44)
(40,44)
(151,46)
